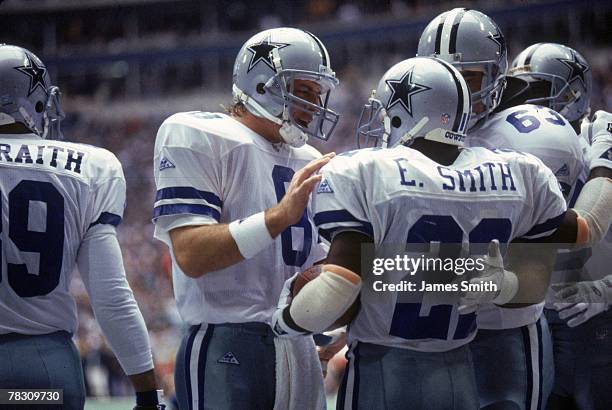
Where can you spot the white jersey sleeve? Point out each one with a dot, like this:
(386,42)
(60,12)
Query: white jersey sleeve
(101,268)
(339,201)
(108,186)
(547,202)
(188,178)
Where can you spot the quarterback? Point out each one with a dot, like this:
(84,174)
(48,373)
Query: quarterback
(232,192)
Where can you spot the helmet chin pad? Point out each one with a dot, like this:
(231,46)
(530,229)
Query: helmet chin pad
(292,135)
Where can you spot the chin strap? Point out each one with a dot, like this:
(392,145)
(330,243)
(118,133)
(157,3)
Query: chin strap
(290,134)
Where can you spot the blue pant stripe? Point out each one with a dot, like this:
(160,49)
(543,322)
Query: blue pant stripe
(528,368)
(540,362)
(202,365)
(356,379)
(194,332)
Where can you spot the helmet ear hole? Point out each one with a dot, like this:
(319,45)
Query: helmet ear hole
(260,88)
(39,107)
(396,122)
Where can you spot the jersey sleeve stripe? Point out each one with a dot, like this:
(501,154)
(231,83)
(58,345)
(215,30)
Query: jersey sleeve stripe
(340,217)
(329,234)
(187,192)
(174,209)
(545,228)
(107,218)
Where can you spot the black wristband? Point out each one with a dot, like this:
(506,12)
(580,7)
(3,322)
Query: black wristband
(291,323)
(147,398)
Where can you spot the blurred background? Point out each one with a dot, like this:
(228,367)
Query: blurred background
(125,65)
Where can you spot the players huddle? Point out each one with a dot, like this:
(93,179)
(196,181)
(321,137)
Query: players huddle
(465,157)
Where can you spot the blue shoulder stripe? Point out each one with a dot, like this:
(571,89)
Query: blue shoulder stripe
(196,209)
(187,192)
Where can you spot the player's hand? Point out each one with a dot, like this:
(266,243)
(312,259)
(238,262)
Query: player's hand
(601,126)
(279,327)
(334,340)
(291,208)
(579,301)
(496,277)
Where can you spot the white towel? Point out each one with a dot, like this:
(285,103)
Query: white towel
(299,378)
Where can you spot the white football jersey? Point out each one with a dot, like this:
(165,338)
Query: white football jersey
(542,132)
(52,192)
(399,196)
(209,168)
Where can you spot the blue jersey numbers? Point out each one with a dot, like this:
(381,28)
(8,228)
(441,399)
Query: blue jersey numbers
(47,241)
(280,176)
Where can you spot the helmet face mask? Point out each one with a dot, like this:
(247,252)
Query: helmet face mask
(371,128)
(27,95)
(310,117)
(567,72)
(266,76)
(53,115)
(487,96)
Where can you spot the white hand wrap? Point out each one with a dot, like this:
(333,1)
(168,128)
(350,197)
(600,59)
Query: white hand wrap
(251,235)
(322,301)
(593,205)
(508,288)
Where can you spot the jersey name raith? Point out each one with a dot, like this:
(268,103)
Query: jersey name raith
(70,159)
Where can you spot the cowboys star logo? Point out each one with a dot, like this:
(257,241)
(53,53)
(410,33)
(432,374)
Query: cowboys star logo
(403,90)
(498,39)
(263,52)
(577,69)
(36,74)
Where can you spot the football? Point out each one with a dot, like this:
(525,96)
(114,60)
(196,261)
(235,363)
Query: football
(304,277)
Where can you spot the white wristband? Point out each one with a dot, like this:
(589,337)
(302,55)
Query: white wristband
(251,235)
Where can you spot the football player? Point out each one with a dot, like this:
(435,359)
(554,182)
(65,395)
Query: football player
(231,197)
(61,204)
(473,43)
(582,351)
(412,346)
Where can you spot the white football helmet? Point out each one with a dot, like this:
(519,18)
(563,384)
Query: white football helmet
(470,40)
(565,69)
(264,76)
(26,93)
(421,97)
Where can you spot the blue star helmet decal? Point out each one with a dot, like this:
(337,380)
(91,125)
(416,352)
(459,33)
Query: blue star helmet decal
(577,69)
(499,39)
(263,52)
(403,90)
(36,74)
